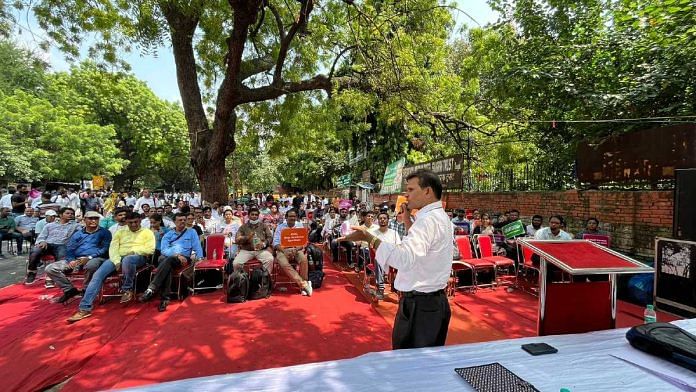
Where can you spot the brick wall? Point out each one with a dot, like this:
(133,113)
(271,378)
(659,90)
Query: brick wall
(633,218)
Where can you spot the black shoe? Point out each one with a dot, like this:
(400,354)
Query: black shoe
(146,296)
(2,256)
(31,278)
(67,295)
(163,305)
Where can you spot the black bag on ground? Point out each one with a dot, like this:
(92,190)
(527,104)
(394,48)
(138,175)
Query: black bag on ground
(259,284)
(316,277)
(315,257)
(237,287)
(665,341)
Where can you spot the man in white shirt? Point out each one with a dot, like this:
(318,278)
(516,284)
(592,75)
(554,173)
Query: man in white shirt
(385,234)
(120,217)
(423,261)
(146,198)
(346,229)
(194,200)
(553,232)
(6,200)
(131,200)
(537,220)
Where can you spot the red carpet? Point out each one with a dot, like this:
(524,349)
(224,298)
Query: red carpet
(515,313)
(134,345)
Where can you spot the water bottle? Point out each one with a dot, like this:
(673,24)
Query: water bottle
(649,316)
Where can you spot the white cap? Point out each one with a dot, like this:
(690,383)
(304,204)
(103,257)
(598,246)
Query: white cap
(51,213)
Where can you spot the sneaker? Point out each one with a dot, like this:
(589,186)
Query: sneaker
(79,315)
(307,290)
(31,278)
(146,296)
(49,284)
(127,297)
(67,295)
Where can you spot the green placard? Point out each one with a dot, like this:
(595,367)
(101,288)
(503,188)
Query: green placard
(392,178)
(514,229)
(344,181)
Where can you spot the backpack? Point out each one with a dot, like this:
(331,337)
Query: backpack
(259,284)
(666,341)
(237,287)
(316,277)
(315,257)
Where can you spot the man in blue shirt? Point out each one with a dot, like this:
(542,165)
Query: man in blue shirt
(177,246)
(284,255)
(86,248)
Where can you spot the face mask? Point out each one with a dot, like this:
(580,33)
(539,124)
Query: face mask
(253,222)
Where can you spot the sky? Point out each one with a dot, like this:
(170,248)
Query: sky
(160,74)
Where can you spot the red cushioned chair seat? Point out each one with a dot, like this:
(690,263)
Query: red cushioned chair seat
(499,260)
(211,264)
(479,263)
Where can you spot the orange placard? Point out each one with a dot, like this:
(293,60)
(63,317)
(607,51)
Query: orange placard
(399,201)
(294,237)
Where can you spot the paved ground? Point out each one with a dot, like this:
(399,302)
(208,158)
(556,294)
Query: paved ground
(12,269)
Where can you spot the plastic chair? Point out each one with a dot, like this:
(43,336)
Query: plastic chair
(485,249)
(477,265)
(215,261)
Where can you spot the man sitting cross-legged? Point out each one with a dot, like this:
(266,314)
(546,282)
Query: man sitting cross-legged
(135,241)
(51,241)
(177,246)
(254,240)
(87,248)
(285,255)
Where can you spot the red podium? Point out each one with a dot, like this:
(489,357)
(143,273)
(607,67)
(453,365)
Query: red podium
(584,303)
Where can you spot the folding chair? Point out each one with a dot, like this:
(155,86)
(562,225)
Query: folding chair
(215,261)
(452,281)
(477,265)
(484,245)
(177,275)
(112,284)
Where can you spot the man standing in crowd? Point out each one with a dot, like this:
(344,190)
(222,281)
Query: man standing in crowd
(285,255)
(146,198)
(51,241)
(254,239)
(19,200)
(424,263)
(6,200)
(90,243)
(384,234)
(134,241)
(591,227)
(8,230)
(177,246)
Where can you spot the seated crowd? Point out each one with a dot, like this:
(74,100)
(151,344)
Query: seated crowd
(85,233)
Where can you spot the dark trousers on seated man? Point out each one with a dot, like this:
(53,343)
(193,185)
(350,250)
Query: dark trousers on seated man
(56,250)
(6,235)
(422,320)
(349,250)
(163,278)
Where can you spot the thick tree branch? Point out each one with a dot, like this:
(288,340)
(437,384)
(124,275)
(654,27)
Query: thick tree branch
(301,21)
(183,27)
(256,66)
(278,19)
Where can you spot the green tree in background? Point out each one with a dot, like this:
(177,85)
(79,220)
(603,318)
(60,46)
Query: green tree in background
(43,141)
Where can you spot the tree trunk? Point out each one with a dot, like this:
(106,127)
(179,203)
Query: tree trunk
(212,178)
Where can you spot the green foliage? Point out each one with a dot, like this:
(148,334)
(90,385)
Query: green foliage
(151,133)
(20,69)
(43,141)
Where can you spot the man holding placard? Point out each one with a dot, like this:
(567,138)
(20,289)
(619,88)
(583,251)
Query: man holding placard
(423,261)
(289,243)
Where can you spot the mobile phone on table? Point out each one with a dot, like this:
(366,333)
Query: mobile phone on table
(539,348)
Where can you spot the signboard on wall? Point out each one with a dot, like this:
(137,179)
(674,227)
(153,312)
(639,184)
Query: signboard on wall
(393,178)
(675,279)
(448,169)
(344,181)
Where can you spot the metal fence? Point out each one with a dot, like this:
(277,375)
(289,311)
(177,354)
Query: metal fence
(540,177)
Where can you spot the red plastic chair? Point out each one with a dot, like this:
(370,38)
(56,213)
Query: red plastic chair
(214,261)
(485,248)
(477,265)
